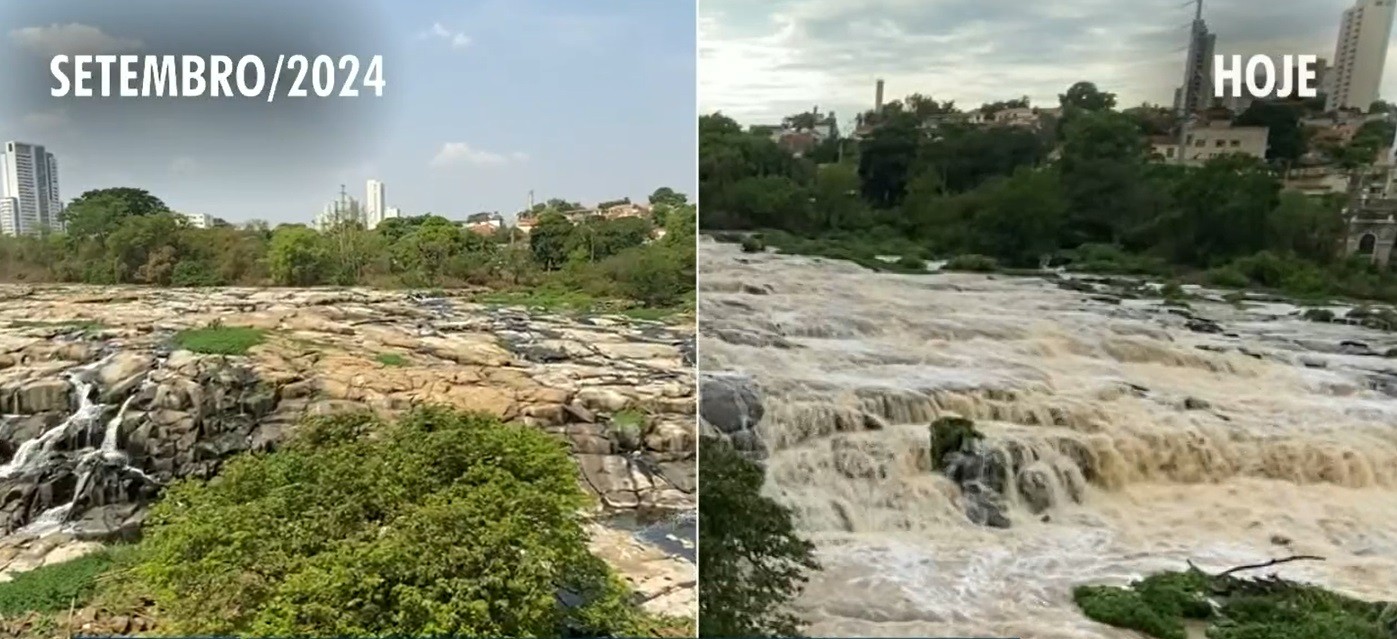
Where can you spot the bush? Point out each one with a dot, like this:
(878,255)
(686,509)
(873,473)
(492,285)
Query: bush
(753,244)
(54,588)
(973,263)
(1227,277)
(194,273)
(440,524)
(911,263)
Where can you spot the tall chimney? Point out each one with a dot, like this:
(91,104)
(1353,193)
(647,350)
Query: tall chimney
(878,98)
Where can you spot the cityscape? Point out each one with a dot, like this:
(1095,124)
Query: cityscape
(31,202)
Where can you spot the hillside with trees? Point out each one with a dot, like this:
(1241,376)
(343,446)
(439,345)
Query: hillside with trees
(1082,189)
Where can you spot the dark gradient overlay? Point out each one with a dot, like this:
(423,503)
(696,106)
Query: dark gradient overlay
(287,132)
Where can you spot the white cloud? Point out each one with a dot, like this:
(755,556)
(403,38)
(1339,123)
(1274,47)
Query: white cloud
(454,153)
(457,39)
(44,121)
(183,165)
(71,39)
(760,61)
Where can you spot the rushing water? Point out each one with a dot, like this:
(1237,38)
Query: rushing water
(1138,444)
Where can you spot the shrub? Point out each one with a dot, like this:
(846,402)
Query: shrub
(1227,277)
(194,273)
(973,263)
(911,263)
(753,244)
(439,524)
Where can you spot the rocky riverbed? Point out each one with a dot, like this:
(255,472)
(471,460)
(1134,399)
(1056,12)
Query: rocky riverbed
(99,409)
(1122,434)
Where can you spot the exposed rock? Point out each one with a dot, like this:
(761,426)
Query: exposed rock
(155,415)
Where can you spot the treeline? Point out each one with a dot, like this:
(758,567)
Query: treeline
(1080,189)
(128,236)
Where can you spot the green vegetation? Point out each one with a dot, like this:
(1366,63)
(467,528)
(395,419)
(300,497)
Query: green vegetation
(1234,608)
(220,340)
(128,236)
(629,427)
(391,359)
(1080,189)
(751,560)
(951,434)
(55,588)
(439,524)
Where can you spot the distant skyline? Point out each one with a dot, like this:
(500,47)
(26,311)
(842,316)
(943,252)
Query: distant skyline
(485,101)
(759,62)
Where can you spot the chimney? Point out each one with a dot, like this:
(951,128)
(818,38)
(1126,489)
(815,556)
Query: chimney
(878,98)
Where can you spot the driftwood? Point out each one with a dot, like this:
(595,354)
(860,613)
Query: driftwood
(1273,562)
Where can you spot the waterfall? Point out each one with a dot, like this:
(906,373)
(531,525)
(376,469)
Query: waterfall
(31,454)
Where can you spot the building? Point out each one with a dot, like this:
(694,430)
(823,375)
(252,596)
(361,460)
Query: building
(1359,54)
(1372,232)
(1196,93)
(199,220)
(1211,140)
(484,223)
(29,179)
(1317,181)
(344,210)
(374,207)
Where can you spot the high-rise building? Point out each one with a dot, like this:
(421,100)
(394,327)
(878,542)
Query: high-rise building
(29,178)
(1196,93)
(1356,77)
(374,208)
(343,210)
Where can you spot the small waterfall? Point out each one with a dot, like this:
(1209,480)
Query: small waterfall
(32,453)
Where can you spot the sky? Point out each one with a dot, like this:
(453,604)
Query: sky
(760,61)
(484,100)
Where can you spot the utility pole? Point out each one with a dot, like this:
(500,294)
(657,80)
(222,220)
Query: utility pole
(1186,91)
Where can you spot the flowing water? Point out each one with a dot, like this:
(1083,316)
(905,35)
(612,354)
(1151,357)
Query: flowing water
(1132,444)
(81,426)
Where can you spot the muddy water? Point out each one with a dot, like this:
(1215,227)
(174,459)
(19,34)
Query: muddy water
(1137,443)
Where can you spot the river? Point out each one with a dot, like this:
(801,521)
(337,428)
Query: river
(1151,443)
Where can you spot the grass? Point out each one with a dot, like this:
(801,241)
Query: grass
(54,588)
(220,340)
(629,425)
(391,359)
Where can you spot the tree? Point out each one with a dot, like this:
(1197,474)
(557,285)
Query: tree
(141,248)
(296,256)
(1085,96)
(886,158)
(425,253)
(1285,139)
(549,240)
(1101,166)
(1021,217)
(752,561)
(665,196)
(97,213)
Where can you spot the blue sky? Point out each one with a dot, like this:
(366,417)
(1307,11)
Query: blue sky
(485,100)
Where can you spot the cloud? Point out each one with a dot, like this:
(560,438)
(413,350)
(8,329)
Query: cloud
(184,165)
(71,39)
(457,39)
(762,61)
(455,153)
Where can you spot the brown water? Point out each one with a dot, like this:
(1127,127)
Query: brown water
(1147,450)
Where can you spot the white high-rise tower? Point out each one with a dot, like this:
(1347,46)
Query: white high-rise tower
(29,198)
(374,208)
(1356,77)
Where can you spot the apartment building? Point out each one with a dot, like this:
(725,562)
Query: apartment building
(29,185)
(1359,55)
